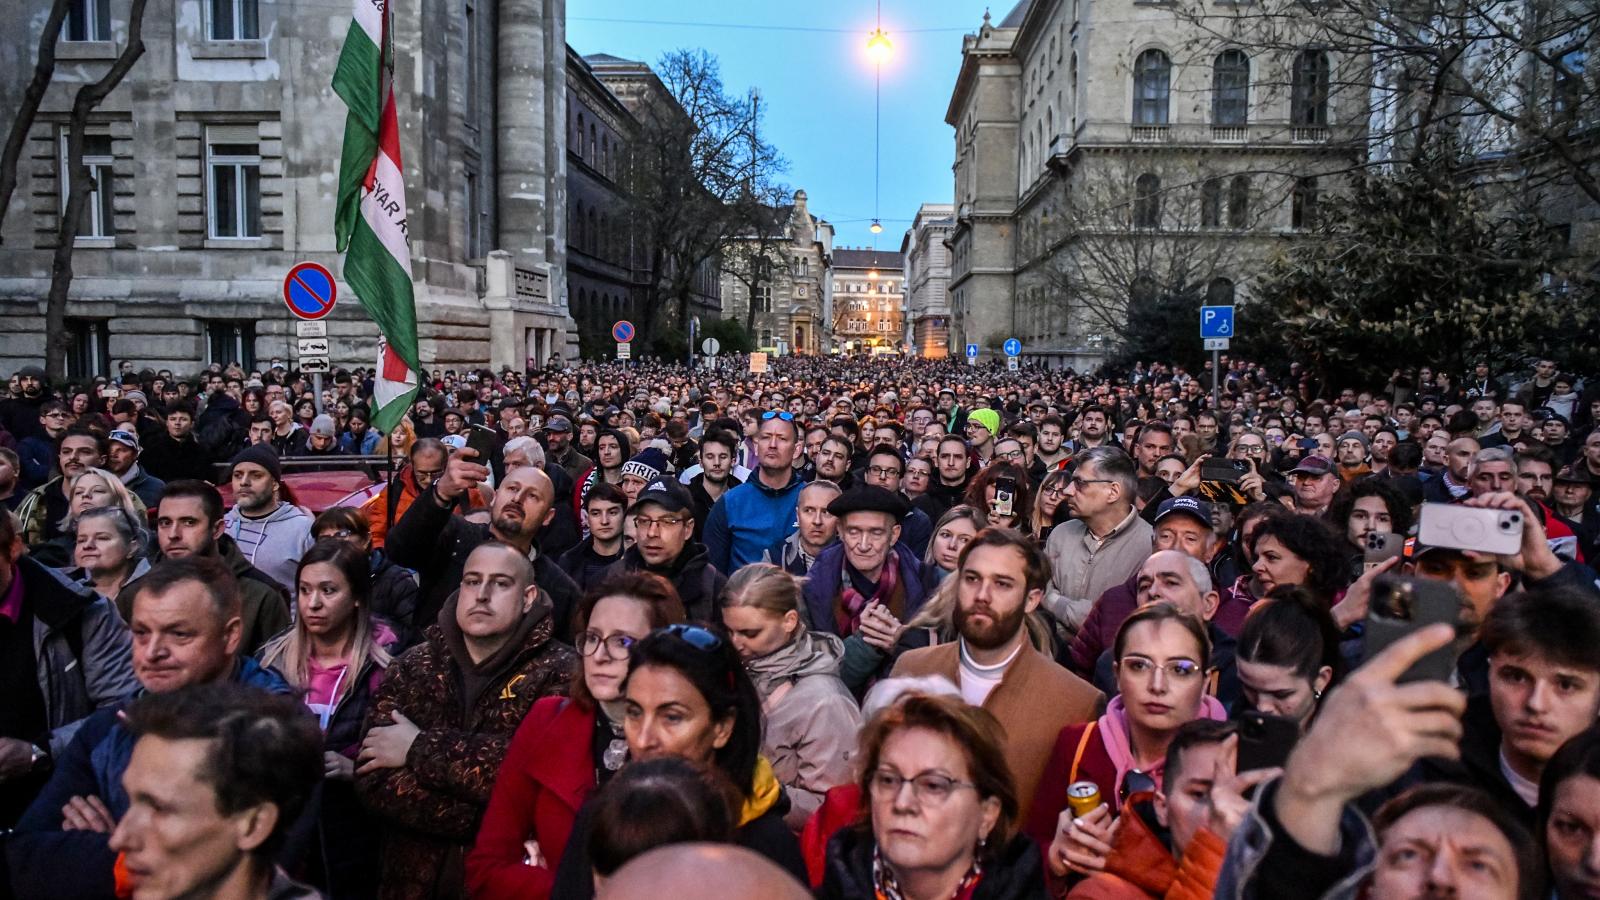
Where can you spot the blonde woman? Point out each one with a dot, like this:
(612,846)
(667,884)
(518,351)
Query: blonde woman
(90,489)
(811,719)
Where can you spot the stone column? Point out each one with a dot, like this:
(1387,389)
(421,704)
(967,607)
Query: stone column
(520,150)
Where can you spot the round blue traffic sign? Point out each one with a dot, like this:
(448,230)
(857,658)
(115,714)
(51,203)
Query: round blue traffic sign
(622,332)
(309,290)
(1013,347)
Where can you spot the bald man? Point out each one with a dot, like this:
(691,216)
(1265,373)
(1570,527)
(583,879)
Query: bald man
(434,542)
(702,871)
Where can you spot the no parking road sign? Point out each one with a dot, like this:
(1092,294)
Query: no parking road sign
(309,290)
(622,332)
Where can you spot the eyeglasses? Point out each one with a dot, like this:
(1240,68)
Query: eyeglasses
(695,636)
(1252,449)
(883,471)
(1181,670)
(1058,489)
(617,645)
(341,534)
(1078,482)
(647,525)
(777,414)
(927,787)
(1013,455)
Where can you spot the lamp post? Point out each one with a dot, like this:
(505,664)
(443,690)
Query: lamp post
(878,47)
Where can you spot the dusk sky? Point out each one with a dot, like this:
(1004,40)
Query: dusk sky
(809,62)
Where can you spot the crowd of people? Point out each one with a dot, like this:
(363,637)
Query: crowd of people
(839,629)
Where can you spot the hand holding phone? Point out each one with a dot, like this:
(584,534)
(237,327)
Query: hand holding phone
(1005,496)
(1458,527)
(1401,606)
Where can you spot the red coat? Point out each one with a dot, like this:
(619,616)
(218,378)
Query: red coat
(547,775)
(1066,766)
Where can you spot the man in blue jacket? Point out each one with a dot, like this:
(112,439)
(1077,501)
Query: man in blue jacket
(186,629)
(761,512)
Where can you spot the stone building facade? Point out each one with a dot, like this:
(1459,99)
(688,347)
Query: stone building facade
(1110,153)
(794,257)
(927,268)
(868,301)
(218,164)
(641,95)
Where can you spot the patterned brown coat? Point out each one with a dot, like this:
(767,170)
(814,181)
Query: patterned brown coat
(432,805)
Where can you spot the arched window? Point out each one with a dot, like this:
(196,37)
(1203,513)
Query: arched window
(594,142)
(1308,97)
(578,143)
(580,229)
(1230,88)
(594,233)
(1152,76)
(1238,201)
(1219,292)
(1147,201)
(605,154)
(1211,203)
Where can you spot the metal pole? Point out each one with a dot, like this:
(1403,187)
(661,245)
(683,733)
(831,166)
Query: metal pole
(1216,376)
(316,390)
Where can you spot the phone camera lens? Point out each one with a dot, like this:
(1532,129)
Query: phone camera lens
(1515,518)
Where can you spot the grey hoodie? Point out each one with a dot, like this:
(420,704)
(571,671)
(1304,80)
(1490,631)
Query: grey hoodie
(811,719)
(273,543)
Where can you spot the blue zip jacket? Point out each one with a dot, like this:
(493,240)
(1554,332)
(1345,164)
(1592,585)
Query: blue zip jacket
(748,519)
(44,861)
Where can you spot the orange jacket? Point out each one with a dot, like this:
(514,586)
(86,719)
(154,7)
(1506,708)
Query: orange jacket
(1141,867)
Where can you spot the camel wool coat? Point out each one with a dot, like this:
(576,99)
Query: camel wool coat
(1035,699)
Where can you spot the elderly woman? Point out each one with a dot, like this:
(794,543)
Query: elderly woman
(939,811)
(108,550)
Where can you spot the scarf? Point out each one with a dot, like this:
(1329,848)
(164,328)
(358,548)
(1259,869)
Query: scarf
(1118,741)
(886,887)
(765,791)
(848,615)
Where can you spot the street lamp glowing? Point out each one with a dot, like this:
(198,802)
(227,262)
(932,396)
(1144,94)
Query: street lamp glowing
(879,46)
(876,227)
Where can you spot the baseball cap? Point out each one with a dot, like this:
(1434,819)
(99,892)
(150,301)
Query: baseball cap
(666,493)
(558,423)
(1180,506)
(1315,464)
(126,438)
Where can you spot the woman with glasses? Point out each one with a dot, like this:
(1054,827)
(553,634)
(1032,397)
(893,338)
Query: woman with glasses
(335,655)
(919,475)
(1048,511)
(687,695)
(1162,656)
(939,811)
(567,746)
(811,719)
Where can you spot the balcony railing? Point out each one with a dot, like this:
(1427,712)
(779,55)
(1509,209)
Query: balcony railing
(1310,134)
(1229,134)
(1151,134)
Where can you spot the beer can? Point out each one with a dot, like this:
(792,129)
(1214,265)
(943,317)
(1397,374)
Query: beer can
(1083,797)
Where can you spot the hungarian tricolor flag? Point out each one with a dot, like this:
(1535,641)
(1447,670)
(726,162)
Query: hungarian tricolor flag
(370,220)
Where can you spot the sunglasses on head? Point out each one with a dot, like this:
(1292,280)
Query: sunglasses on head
(777,414)
(695,636)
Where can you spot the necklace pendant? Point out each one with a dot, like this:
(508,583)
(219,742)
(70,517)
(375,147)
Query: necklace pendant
(615,755)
